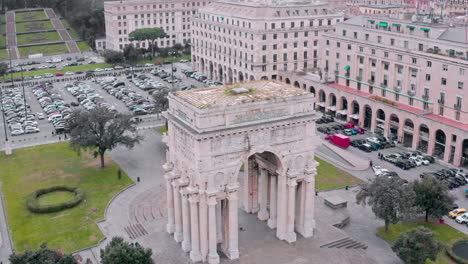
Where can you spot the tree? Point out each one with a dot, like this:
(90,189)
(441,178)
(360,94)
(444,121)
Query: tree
(43,255)
(150,34)
(131,54)
(113,57)
(160,100)
(100,130)
(416,245)
(391,200)
(432,197)
(3,68)
(119,251)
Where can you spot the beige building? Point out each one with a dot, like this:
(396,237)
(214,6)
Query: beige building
(253,40)
(229,151)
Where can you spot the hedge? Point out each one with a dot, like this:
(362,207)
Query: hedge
(453,256)
(32,201)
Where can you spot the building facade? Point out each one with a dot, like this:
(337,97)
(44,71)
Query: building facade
(174,16)
(212,134)
(252,40)
(402,79)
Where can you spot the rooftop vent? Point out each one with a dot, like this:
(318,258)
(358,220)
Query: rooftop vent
(240,90)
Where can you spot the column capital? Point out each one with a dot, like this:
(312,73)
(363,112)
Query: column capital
(168,166)
(212,201)
(232,187)
(310,170)
(309,179)
(182,182)
(292,182)
(193,198)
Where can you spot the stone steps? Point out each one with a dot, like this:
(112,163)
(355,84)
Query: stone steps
(345,243)
(135,231)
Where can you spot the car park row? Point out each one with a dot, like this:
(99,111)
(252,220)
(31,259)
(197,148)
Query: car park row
(17,113)
(86,96)
(56,110)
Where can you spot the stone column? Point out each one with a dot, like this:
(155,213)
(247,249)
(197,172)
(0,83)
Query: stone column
(401,131)
(195,248)
(431,142)
(263,195)
(386,125)
(273,201)
(362,115)
(177,213)
(414,144)
(448,147)
(219,224)
(233,250)
(186,244)
(170,205)
(213,257)
(309,188)
(373,121)
(203,227)
(282,212)
(290,234)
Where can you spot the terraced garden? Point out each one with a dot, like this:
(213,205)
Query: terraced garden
(28,16)
(51,49)
(34,26)
(42,37)
(4,54)
(83,46)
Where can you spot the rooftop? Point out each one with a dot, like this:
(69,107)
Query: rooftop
(228,95)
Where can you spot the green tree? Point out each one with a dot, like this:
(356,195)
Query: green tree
(100,130)
(161,103)
(417,245)
(131,54)
(113,57)
(432,197)
(43,255)
(3,68)
(390,199)
(119,251)
(150,34)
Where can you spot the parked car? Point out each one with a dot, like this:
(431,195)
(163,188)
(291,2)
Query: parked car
(457,212)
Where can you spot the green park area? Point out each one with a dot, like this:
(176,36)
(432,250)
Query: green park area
(4,54)
(34,26)
(34,168)
(73,34)
(28,16)
(444,233)
(51,49)
(42,37)
(65,69)
(330,177)
(2,41)
(83,46)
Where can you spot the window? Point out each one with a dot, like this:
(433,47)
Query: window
(373,51)
(386,66)
(386,54)
(338,44)
(444,81)
(367,36)
(406,44)
(275,46)
(344,33)
(361,60)
(420,47)
(348,57)
(414,60)
(264,37)
(399,69)
(349,46)
(461,71)
(361,49)
(275,36)
(460,85)
(429,64)
(428,77)
(459,102)
(355,35)
(445,67)
(379,39)
(373,63)
(295,44)
(305,43)
(392,41)
(285,45)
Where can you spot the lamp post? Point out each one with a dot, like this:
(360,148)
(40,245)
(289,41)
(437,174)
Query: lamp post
(172,53)
(24,94)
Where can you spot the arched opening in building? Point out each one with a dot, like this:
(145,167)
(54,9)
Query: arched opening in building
(264,78)
(230,76)
(211,74)
(394,125)
(202,65)
(220,73)
(288,81)
(464,154)
(343,112)
(380,122)
(367,117)
(354,117)
(241,77)
(312,90)
(439,146)
(423,138)
(408,129)
(296,84)
(252,78)
(332,107)
(321,101)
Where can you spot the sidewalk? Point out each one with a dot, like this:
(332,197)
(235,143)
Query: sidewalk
(5,239)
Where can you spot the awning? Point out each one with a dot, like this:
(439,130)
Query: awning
(355,116)
(372,21)
(343,112)
(411,27)
(425,29)
(383,24)
(347,67)
(332,108)
(322,104)
(398,25)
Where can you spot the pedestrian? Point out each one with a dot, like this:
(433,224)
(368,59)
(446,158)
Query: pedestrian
(370,163)
(52,133)
(65,135)
(60,139)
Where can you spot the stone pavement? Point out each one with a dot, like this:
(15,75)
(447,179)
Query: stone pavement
(71,44)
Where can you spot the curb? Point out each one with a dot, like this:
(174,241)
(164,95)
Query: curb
(6,219)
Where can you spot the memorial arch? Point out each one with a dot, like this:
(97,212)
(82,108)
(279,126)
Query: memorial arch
(248,146)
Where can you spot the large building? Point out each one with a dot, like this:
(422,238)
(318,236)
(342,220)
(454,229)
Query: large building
(251,40)
(174,16)
(406,80)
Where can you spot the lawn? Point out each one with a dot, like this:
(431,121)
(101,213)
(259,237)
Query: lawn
(51,49)
(73,34)
(2,41)
(2,18)
(65,69)
(65,23)
(28,16)
(55,198)
(162,59)
(162,129)
(30,169)
(444,233)
(43,37)
(2,28)
(83,46)
(4,54)
(330,177)
(34,26)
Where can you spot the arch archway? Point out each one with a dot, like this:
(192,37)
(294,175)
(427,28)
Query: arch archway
(343,112)
(354,112)
(230,76)
(439,146)
(408,129)
(211,71)
(288,81)
(241,77)
(296,84)
(220,73)
(252,78)
(321,101)
(464,154)
(312,90)
(202,65)
(367,117)
(380,122)
(264,78)
(332,103)
(394,126)
(423,138)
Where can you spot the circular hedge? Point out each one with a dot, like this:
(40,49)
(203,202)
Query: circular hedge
(32,201)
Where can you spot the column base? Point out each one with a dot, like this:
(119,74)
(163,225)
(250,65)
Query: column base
(290,237)
(263,215)
(307,232)
(195,256)
(232,254)
(170,228)
(213,259)
(186,246)
(178,236)
(271,223)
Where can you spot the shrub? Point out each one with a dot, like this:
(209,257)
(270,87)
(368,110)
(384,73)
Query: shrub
(32,201)
(453,256)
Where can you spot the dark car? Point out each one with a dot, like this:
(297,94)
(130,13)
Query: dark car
(429,158)
(403,164)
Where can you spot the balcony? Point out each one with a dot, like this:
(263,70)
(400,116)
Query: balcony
(359,78)
(425,97)
(397,88)
(457,106)
(347,75)
(411,92)
(441,101)
(383,85)
(370,81)
(337,72)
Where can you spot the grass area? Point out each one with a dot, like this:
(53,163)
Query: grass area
(162,59)
(27,16)
(2,41)
(74,34)
(65,69)
(65,23)
(51,49)
(2,29)
(330,177)
(444,233)
(30,169)
(34,26)
(162,129)
(55,198)
(4,54)
(2,18)
(43,37)
(83,46)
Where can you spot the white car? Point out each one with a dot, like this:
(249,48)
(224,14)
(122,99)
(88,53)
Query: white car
(183,61)
(416,160)
(37,77)
(31,129)
(118,67)
(373,140)
(149,64)
(17,132)
(423,161)
(98,70)
(69,73)
(48,75)
(108,69)
(462,219)
(379,170)
(40,116)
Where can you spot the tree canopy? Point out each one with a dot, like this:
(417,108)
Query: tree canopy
(119,251)
(43,255)
(432,197)
(160,100)
(100,129)
(113,57)
(151,34)
(390,200)
(131,54)
(417,245)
